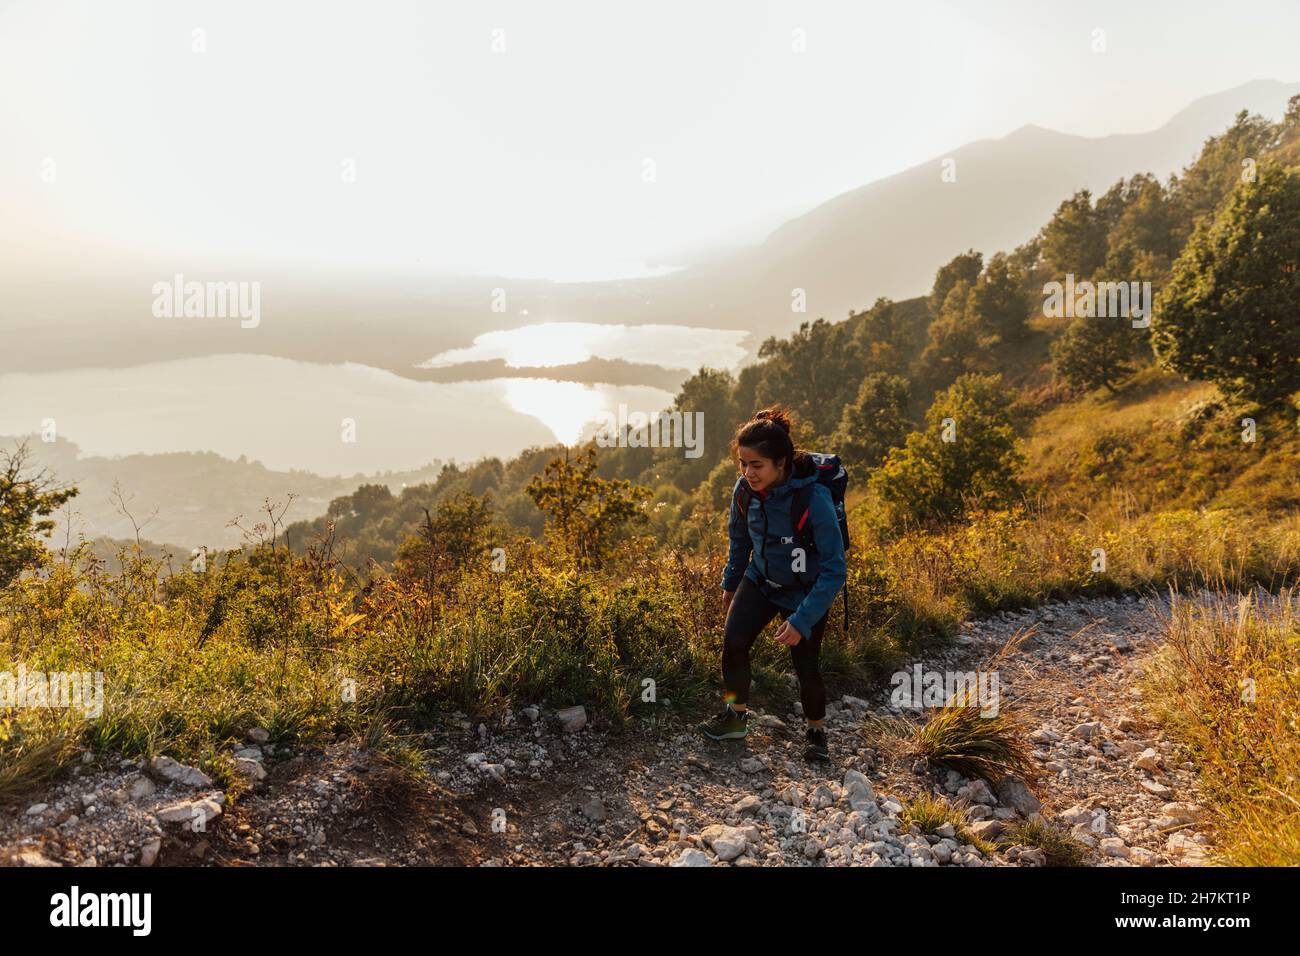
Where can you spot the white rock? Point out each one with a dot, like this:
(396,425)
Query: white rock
(691,857)
(191,812)
(1149,759)
(36,809)
(922,850)
(823,796)
(1114,846)
(727,842)
(32,857)
(1076,814)
(856,782)
(977,791)
(179,773)
(1181,845)
(1013,792)
(986,829)
(1034,855)
(746,805)
(149,852)
(1142,856)
(250,769)
(1181,813)
(258,735)
(572,719)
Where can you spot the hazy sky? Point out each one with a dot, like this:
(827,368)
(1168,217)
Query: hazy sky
(531,160)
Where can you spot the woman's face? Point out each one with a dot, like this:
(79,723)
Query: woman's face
(761,473)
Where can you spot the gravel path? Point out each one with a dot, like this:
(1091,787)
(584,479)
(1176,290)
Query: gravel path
(549,789)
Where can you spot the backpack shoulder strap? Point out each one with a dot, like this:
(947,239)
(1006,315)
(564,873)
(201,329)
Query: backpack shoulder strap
(741,495)
(799,515)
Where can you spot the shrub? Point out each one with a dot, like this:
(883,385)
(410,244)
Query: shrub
(967,456)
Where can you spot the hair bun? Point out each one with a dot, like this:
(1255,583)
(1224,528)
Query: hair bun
(777,414)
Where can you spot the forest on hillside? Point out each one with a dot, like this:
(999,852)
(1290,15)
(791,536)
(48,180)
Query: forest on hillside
(870,388)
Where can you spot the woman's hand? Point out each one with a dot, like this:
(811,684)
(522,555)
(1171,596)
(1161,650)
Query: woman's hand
(788,634)
(726,602)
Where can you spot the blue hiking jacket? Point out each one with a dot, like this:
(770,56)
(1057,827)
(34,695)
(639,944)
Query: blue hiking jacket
(762,545)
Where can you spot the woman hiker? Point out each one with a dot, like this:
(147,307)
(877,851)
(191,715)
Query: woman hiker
(771,571)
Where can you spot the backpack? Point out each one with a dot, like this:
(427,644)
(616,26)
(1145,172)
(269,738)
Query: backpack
(832,474)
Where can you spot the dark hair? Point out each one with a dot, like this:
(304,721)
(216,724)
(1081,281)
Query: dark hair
(768,433)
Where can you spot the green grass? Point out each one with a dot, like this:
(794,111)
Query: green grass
(1227,685)
(988,747)
(1169,444)
(1059,847)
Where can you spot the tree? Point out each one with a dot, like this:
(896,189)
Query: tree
(1144,237)
(1288,147)
(1074,239)
(998,301)
(1229,311)
(457,536)
(961,268)
(883,337)
(363,505)
(1096,351)
(815,373)
(966,457)
(26,502)
(958,340)
(875,422)
(1220,166)
(585,514)
(708,392)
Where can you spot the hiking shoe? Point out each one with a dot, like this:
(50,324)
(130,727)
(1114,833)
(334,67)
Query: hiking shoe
(816,749)
(728,725)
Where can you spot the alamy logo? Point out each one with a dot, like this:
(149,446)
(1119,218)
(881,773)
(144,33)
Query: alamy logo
(209,300)
(655,430)
(103,909)
(80,689)
(1098,300)
(919,688)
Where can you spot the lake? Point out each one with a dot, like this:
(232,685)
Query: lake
(290,414)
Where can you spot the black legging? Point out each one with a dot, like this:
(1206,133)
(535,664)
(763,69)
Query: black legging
(751,612)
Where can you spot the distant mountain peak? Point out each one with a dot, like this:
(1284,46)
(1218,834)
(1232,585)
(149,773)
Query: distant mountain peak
(1031,129)
(887,237)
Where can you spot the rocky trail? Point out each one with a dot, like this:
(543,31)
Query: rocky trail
(543,788)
